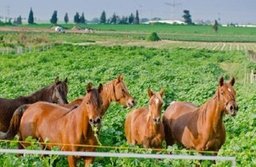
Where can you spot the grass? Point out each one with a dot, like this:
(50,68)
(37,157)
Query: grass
(185,74)
(165,31)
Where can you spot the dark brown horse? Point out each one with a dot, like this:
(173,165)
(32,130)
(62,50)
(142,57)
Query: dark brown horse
(56,124)
(55,93)
(201,128)
(144,125)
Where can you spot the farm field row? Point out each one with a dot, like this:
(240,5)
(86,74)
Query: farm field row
(167,32)
(186,74)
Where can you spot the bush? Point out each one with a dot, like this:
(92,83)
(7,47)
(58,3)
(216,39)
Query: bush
(154,37)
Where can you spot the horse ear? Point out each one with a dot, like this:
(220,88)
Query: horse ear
(232,81)
(89,87)
(221,81)
(66,80)
(119,78)
(150,92)
(57,79)
(100,88)
(161,92)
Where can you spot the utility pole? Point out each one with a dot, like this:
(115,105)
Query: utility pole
(173,5)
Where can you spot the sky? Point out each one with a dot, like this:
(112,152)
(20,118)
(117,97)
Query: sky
(225,11)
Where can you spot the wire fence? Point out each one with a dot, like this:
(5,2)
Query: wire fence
(21,50)
(121,155)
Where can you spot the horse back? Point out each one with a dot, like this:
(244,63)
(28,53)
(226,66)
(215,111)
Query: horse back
(39,118)
(175,119)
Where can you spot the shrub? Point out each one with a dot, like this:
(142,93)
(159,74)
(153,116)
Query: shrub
(154,37)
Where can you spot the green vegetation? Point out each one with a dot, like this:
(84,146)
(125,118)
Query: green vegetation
(165,31)
(153,37)
(185,74)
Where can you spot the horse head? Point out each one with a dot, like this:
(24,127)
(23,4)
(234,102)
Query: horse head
(93,104)
(121,93)
(60,91)
(227,95)
(155,105)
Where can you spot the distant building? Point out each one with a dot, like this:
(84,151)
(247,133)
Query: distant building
(165,22)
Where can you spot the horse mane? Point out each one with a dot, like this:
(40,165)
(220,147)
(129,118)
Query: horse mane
(36,95)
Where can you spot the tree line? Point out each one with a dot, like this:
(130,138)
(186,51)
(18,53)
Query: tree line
(80,18)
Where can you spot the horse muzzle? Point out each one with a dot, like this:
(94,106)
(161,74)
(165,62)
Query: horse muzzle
(130,103)
(232,109)
(95,121)
(157,120)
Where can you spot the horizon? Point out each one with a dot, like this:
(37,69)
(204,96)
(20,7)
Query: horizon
(239,12)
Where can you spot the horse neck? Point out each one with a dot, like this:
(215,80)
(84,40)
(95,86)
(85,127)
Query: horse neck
(211,113)
(81,119)
(37,96)
(151,127)
(107,95)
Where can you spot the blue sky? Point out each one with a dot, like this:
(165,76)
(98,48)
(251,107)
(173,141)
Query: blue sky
(235,11)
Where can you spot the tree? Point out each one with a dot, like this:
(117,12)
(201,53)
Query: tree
(137,19)
(31,17)
(66,19)
(123,20)
(18,20)
(82,19)
(131,19)
(54,18)
(187,17)
(77,18)
(113,20)
(103,17)
(215,26)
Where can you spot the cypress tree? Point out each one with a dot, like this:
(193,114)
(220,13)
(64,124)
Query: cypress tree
(103,18)
(54,18)
(66,19)
(137,19)
(31,17)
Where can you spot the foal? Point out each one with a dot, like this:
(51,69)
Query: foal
(201,128)
(144,125)
(55,93)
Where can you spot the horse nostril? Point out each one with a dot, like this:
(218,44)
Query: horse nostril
(231,107)
(98,120)
(90,120)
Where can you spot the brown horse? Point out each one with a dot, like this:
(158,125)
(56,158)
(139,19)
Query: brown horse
(144,125)
(201,128)
(55,93)
(115,90)
(56,124)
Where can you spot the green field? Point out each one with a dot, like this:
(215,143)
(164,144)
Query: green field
(185,74)
(168,32)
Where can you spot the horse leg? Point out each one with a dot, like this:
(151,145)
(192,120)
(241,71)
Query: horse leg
(88,161)
(146,143)
(71,161)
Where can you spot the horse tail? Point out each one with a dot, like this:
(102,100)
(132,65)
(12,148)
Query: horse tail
(14,124)
(167,132)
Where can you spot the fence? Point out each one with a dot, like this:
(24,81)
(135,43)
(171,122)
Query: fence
(20,50)
(121,155)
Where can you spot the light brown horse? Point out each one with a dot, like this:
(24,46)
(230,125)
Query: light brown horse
(201,128)
(144,125)
(57,124)
(115,90)
(55,93)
